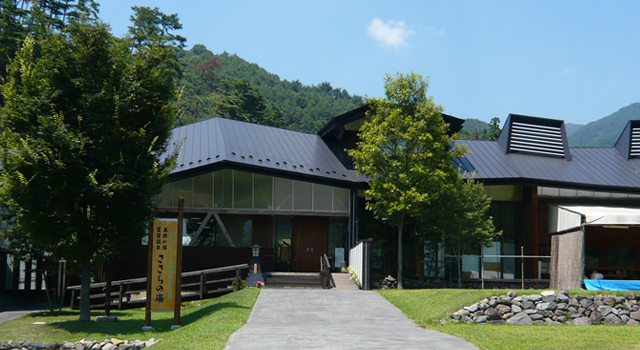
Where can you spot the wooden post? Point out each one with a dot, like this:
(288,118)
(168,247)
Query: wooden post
(107,291)
(201,285)
(176,313)
(147,316)
(238,281)
(73,298)
(120,297)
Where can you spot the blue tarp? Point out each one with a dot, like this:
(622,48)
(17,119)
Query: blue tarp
(611,285)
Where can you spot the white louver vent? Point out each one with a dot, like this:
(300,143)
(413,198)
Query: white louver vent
(539,139)
(634,149)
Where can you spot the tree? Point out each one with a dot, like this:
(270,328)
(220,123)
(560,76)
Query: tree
(84,125)
(152,27)
(458,217)
(21,17)
(494,130)
(239,100)
(405,151)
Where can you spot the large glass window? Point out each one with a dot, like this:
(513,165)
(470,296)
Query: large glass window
(166,197)
(239,228)
(183,188)
(227,189)
(322,197)
(263,191)
(283,196)
(340,199)
(203,191)
(302,195)
(223,188)
(242,190)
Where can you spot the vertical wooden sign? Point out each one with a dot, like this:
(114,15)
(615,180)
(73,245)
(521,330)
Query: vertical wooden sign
(164,271)
(164,265)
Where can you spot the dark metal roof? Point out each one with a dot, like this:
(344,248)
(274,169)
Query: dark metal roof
(336,124)
(589,168)
(219,141)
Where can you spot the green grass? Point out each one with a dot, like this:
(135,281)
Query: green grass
(206,324)
(427,307)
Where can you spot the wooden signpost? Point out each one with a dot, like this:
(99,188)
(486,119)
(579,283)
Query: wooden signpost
(164,281)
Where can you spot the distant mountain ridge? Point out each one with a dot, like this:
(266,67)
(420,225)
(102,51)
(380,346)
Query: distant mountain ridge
(605,132)
(600,133)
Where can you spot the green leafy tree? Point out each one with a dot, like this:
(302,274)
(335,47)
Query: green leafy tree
(152,27)
(458,217)
(239,100)
(405,151)
(494,130)
(18,18)
(84,125)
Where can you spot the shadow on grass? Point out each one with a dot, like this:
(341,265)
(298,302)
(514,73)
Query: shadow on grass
(134,326)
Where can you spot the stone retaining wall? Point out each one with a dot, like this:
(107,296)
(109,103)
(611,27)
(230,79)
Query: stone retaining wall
(109,344)
(549,308)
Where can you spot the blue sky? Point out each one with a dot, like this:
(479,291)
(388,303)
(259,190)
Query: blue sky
(573,60)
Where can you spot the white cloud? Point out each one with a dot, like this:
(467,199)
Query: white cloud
(392,33)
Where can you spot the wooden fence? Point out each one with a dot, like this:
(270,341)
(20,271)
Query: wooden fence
(198,284)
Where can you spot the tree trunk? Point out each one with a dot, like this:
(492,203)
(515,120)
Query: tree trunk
(85,291)
(401,221)
(459,258)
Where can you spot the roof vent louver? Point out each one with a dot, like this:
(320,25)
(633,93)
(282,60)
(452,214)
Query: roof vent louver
(536,139)
(535,136)
(634,149)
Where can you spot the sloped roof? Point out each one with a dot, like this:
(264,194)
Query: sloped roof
(219,141)
(338,123)
(592,168)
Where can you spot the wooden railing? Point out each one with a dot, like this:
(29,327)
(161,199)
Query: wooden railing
(195,285)
(325,272)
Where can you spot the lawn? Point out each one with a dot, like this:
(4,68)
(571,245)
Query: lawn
(428,307)
(206,324)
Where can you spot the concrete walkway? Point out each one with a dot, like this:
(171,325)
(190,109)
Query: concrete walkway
(333,319)
(11,313)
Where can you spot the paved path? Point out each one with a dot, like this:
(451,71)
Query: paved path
(11,313)
(333,319)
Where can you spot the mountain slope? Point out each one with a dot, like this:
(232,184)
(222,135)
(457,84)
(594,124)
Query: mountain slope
(304,108)
(605,132)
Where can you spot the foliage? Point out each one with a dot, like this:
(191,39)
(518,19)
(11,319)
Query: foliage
(239,100)
(18,18)
(459,217)
(84,124)
(207,324)
(152,27)
(303,108)
(474,129)
(405,151)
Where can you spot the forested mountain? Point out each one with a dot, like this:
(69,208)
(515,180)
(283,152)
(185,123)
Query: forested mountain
(218,85)
(572,128)
(605,132)
(472,129)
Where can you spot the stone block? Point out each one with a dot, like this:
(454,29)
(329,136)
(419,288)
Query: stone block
(612,320)
(516,309)
(582,321)
(520,319)
(604,310)
(546,306)
(492,314)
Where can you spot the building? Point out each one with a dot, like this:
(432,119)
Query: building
(551,200)
(297,196)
